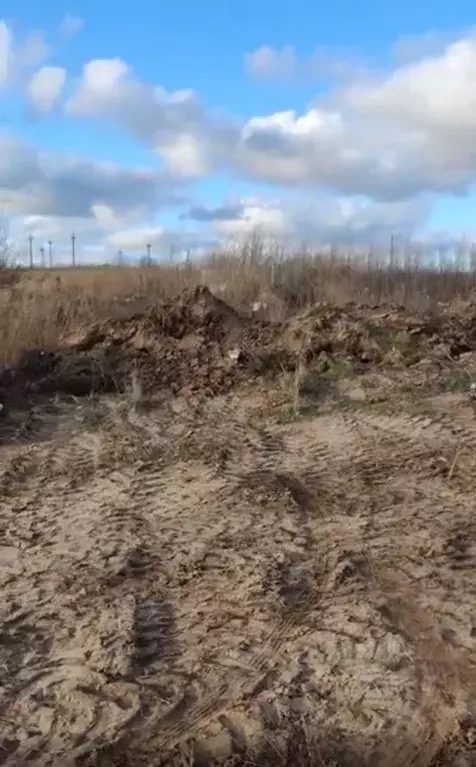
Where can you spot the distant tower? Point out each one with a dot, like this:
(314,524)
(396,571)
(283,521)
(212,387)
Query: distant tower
(73,249)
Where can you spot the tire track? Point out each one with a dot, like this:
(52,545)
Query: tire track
(187,718)
(382,451)
(77,527)
(137,511)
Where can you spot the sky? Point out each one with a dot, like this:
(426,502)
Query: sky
(186,124)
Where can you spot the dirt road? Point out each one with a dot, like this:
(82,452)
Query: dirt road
(198,578)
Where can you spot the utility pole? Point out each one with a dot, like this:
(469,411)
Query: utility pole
(188,261)
(42,254)
(73,249)
(120,257)
(50,253)
(149,260)
(30,250)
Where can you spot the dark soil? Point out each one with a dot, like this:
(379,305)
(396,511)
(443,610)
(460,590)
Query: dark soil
(197,343)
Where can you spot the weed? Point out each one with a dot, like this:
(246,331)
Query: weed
(456,381)
(38,306)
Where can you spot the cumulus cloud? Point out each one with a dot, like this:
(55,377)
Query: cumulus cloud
(166,243)
(23,66)
(317,222)
(49,195)
(91,245)
(285,65)
(389,137)
(70,26)
(33,52)
(388,140)
(175,124)
(436,94)
(18,58)
(231,212)
(415,47)
(136,239)
(266,63)
(45,88)
(6,53)
(47,184)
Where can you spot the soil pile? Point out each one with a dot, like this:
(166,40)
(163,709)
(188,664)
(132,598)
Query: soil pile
(194,312)
(196,342)
(385,335)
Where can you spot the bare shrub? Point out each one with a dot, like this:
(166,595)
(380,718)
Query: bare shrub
(42,304)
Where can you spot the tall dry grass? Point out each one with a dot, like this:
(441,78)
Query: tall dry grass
(38,306)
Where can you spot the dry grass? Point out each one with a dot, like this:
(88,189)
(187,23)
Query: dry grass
(322,476)
(36,307)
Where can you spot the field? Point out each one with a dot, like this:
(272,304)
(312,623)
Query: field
(237,516)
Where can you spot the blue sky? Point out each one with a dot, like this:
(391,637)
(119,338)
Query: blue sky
(376,137)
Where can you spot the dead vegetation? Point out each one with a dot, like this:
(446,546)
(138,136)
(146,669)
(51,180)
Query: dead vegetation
(237,522)
(38,306)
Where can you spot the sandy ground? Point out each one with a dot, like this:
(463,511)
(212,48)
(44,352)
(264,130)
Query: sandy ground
(192,580)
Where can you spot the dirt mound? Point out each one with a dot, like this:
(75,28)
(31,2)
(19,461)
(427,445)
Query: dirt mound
(194,342)
(380,334)
(194,312)
(197,343)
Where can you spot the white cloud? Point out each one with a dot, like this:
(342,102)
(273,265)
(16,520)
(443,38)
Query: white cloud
(98,237)
(90,243)
(324,220)
(174,124)
(70,26)
(97,89)
(49,195)
(392,136)
(396,137)
(22,59)
(229,211)
(435,94)
(106,217)
(136,240)
(185,156)
(169,243)
(6,54)
(389,137)
(107,88)
(33,52)
(285,65)
(415,47)
(267,63)
(41,183)
(17,59)
(45,88)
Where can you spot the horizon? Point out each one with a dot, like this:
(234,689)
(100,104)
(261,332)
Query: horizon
(184,127)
